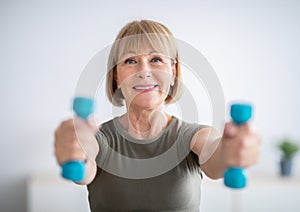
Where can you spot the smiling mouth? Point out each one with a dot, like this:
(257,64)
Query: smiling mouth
(144,88)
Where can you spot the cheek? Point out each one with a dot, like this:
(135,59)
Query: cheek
(164,78)
(125,83)
(122,77)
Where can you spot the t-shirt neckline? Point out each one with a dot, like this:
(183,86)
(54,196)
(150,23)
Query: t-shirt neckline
(130,138)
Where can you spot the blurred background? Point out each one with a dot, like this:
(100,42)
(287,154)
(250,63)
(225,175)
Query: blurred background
(253,47)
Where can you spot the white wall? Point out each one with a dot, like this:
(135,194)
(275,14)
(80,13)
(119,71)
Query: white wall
(44,45)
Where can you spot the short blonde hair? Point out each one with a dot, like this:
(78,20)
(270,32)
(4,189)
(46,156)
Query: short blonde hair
(135,35)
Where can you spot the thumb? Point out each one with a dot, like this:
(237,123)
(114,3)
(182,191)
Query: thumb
(230,130)
(93,123)
(89,125)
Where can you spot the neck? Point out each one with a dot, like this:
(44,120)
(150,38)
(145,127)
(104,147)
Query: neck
(145,124)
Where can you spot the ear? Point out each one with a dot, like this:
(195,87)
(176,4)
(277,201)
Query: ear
(115,75)
(174,74)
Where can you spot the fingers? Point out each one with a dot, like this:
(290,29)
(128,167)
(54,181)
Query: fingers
(241,145)
(93,124)
(88,125)
(72,137)
(233,130)
(230,130)
(245,154)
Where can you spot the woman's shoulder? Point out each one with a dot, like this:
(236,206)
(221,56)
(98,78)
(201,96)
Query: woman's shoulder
(184,125)
(110,123)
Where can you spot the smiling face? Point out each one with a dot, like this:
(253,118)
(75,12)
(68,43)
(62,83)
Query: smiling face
(147,46)
(145,78)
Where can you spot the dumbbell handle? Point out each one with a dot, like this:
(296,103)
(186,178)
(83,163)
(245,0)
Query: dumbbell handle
(75,170)
(234,177)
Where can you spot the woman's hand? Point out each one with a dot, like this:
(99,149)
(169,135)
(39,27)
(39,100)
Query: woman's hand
(75,140)
(240,145)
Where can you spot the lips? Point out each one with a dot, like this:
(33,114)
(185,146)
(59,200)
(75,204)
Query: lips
(144,88)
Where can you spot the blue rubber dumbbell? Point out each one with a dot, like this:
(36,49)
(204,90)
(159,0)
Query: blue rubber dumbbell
(235,177)
(75,170)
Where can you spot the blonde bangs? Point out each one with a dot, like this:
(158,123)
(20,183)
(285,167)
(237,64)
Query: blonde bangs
(143,43)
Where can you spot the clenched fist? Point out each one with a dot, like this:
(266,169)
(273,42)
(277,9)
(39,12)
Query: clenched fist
(75,140)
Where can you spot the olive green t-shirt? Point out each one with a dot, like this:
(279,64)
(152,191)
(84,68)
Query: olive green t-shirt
(159,174)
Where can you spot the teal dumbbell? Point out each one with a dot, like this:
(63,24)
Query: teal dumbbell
(235,177)
(75,170)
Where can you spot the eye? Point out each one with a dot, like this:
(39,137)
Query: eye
(156,59)
(129,61)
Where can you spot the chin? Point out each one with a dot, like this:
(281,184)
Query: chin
(147,104)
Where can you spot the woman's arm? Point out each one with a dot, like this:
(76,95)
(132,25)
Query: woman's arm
(239,146)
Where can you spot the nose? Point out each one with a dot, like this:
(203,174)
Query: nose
(144,70)
(144,74)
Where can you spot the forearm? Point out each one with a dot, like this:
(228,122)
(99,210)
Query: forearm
(207,145)
(215,166)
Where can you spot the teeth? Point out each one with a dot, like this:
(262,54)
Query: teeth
(143,87)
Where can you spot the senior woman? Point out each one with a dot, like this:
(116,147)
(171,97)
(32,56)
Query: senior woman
(144,74)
